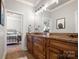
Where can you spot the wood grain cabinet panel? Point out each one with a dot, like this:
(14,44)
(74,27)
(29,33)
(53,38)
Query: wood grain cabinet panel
(51,48)
(39,47)
(67,50)
(39,41)
(38,55)
(29,44)
(54,53)
(63,45)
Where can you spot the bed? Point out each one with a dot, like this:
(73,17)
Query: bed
(13,37)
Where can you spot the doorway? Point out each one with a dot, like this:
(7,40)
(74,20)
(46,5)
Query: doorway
(14,31)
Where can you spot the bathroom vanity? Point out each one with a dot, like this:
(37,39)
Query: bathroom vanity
(54,46)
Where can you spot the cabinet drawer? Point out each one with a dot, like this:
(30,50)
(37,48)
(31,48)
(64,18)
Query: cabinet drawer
(29,38)
(62,45)
(53,55)
(39,41)
(30,48)
(38,55)
(55,50)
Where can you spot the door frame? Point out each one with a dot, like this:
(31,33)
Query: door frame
(16,12)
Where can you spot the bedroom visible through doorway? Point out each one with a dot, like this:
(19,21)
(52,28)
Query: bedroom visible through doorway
(14,31)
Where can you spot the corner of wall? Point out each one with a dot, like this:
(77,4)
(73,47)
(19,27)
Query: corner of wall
(4,55)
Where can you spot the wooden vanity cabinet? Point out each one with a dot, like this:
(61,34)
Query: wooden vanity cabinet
(51,48)
(39,47)
(30,44)
(55,54)
(61,50)
(52,52)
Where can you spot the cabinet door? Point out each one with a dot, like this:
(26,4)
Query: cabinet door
(70,54)
(29,44)
(39,44)
(38,55)
(39,48)
(53,55)
(38,51)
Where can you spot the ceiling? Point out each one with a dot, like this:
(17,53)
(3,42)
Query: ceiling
(51,4)
(54,5)
(38,4)
(30,2)
(33,1)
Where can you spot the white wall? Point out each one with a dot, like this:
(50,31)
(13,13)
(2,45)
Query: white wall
(14,22)
(2,42)
(67,11)
(26,11)
(41,17)
(76,21)
(29,17)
